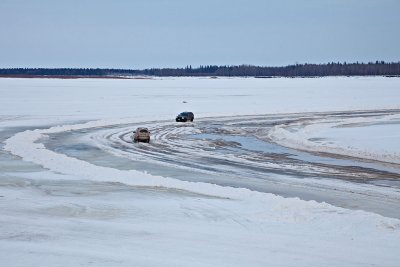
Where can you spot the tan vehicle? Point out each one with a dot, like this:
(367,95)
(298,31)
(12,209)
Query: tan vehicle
(141,135)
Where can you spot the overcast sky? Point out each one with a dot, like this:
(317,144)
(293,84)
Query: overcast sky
(175,33)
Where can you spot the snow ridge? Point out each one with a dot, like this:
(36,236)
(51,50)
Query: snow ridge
(317,136)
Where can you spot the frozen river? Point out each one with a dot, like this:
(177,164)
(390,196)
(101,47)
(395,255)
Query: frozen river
(271,172)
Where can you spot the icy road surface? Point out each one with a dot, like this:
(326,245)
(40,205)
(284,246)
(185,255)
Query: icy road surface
(235,152)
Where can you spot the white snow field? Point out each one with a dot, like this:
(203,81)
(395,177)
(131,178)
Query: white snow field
(60,210)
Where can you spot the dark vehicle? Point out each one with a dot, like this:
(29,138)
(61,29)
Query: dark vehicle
(141,135)
(185,116)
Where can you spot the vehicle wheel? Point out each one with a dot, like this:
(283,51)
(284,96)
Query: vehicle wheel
(191,120)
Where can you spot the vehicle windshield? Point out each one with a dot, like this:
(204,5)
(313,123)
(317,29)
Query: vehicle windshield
(183,114)
(143,131)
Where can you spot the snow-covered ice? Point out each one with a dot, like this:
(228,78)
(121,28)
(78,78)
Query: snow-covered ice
(57,210)
(375,138)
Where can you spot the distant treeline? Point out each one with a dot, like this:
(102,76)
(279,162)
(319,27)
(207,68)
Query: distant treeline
(378,68)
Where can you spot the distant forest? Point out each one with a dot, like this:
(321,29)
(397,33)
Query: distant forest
(378,68)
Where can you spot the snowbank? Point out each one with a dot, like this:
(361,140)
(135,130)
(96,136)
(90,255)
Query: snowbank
(375,138)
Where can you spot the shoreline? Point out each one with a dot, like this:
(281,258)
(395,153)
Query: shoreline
(72,77)
(194,76)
